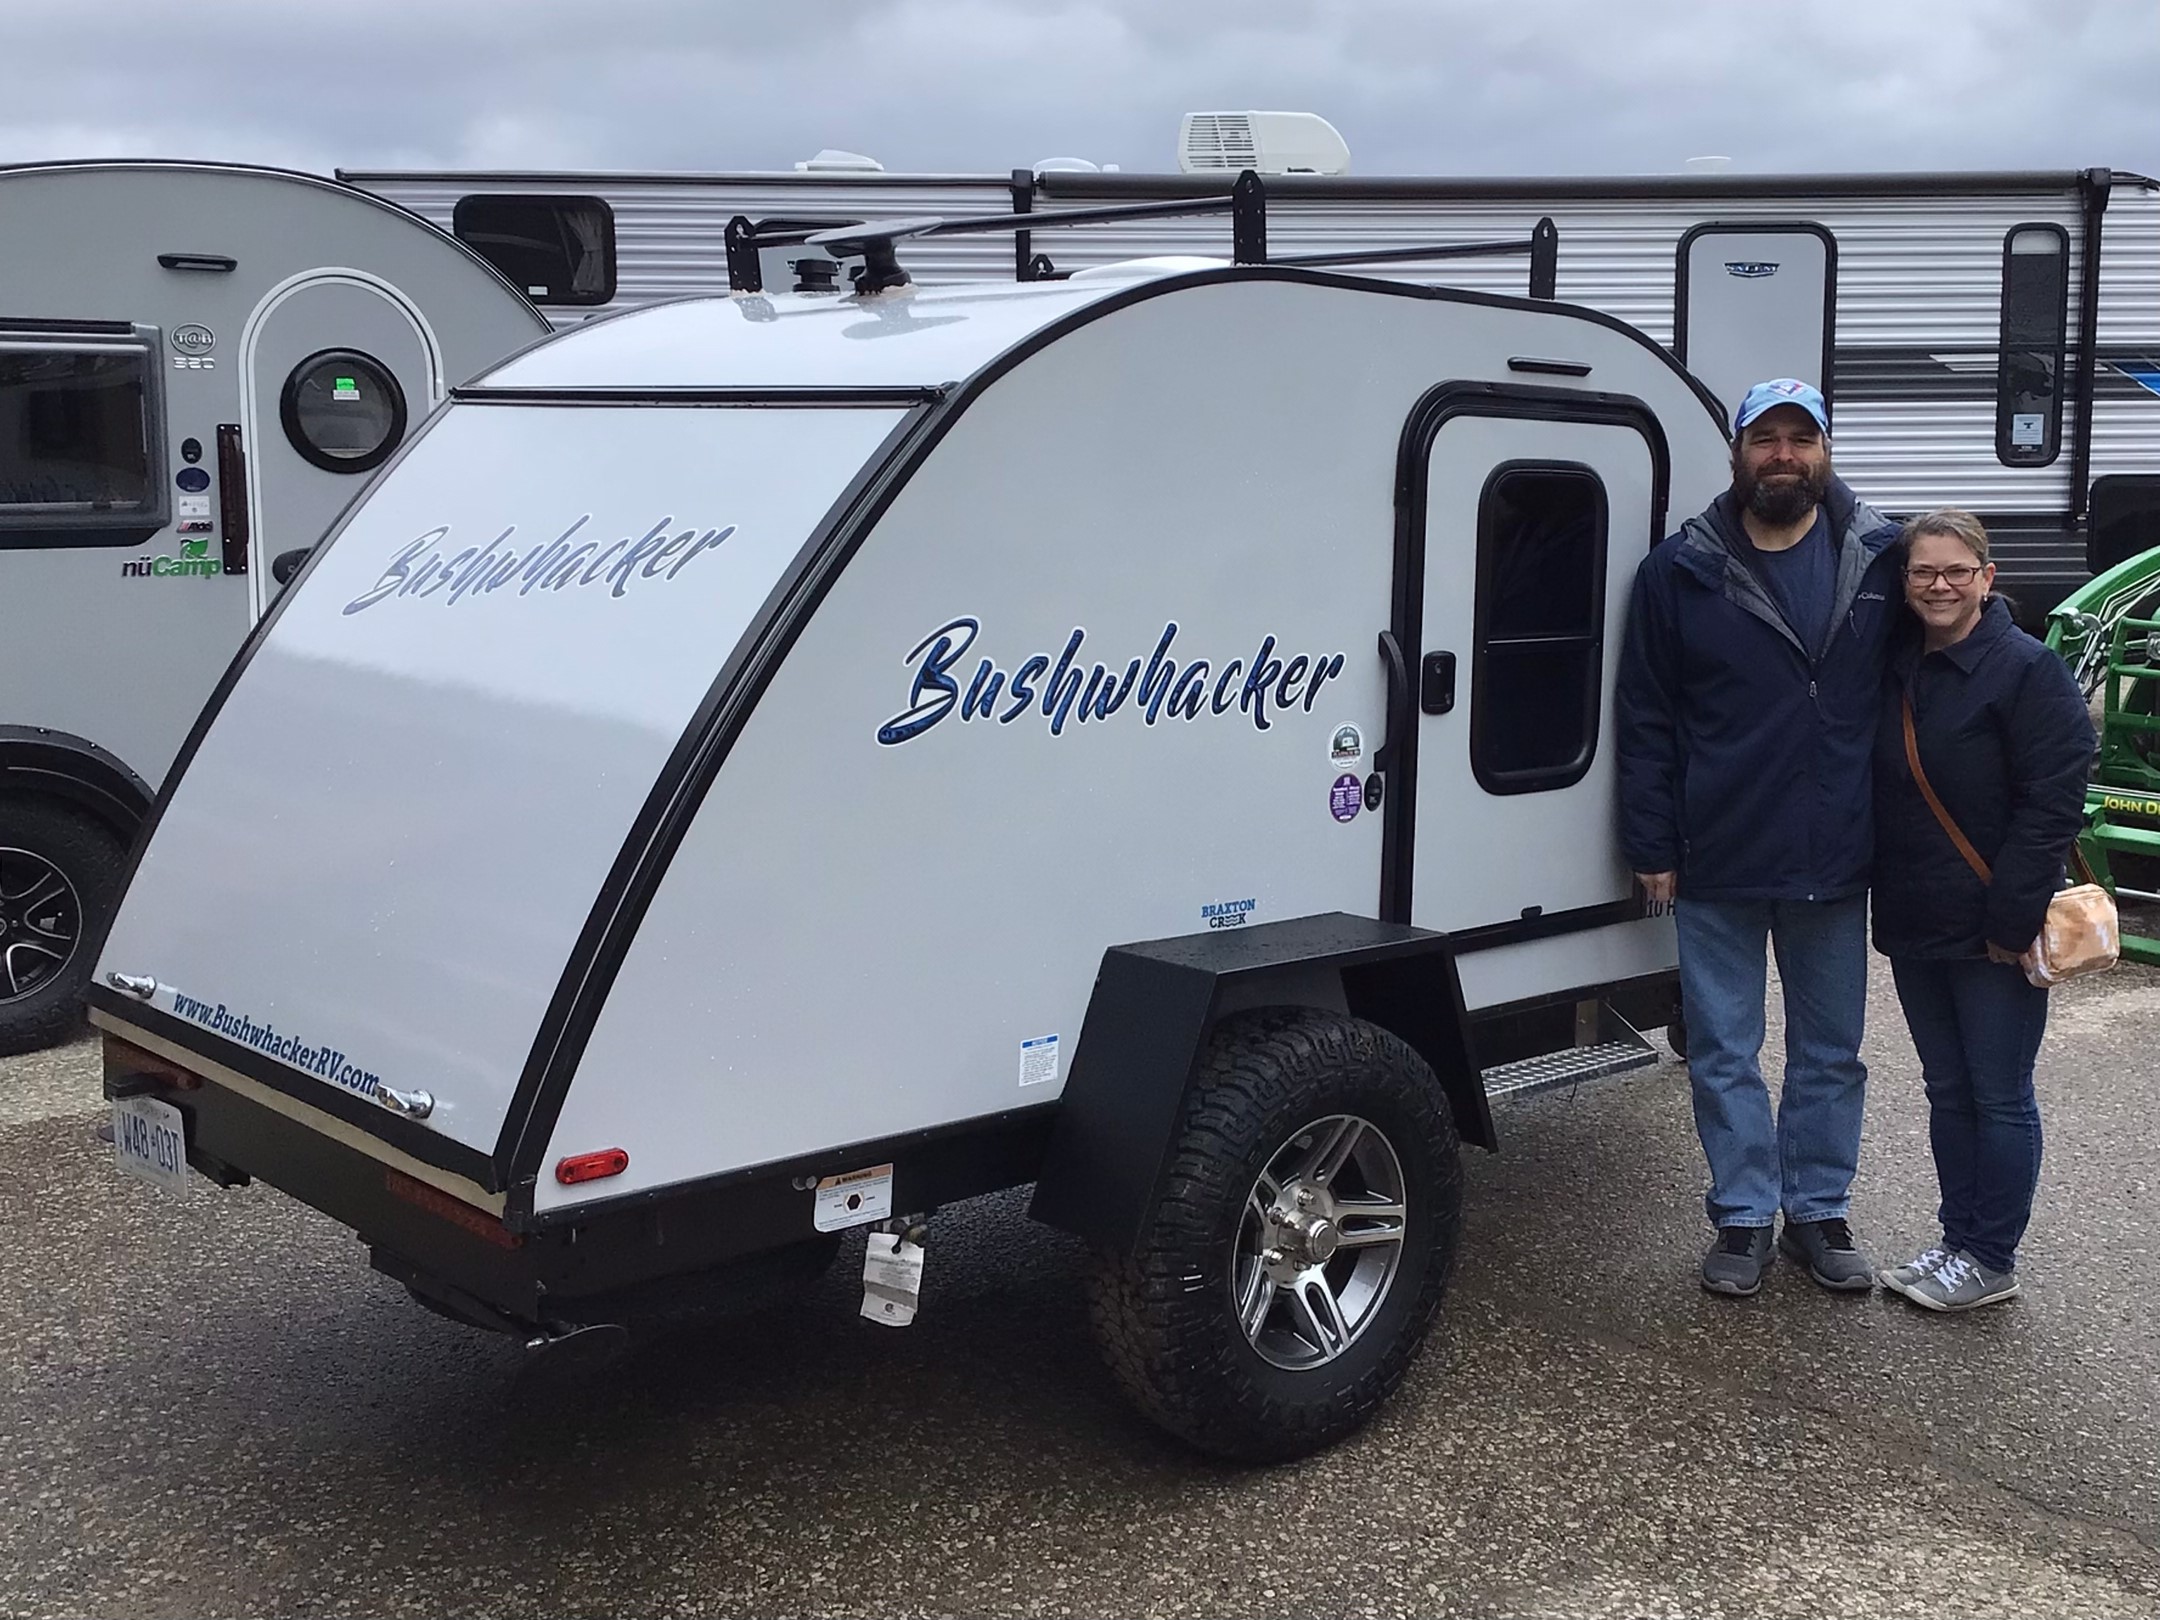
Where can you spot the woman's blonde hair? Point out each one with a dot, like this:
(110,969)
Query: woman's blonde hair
(1953,522)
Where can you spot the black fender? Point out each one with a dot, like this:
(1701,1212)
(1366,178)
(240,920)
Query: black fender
(58,765)
(1150,1014)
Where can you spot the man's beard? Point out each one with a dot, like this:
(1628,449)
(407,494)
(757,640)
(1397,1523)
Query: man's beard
(1780,497)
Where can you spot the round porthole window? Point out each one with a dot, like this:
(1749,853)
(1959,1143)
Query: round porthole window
(343,411)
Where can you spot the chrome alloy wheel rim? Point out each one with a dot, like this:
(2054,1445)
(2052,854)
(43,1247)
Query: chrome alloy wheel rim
(1319,1243)
(40,922)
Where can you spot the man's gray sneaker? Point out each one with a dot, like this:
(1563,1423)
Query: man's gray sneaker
(1737,1260)
(1961,1283)
(1827,1249)
(1923,1264)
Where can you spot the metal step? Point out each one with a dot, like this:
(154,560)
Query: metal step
(2137,840)
(1616,1048)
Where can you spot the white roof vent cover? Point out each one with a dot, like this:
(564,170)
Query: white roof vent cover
(834,161)
(1267,142)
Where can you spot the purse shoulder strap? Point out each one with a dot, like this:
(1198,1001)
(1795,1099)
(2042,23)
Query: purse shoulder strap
(1927,792)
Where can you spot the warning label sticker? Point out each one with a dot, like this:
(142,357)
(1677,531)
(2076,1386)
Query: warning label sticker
(854,1199)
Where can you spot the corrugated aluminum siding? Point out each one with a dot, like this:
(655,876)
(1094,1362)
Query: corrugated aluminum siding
(1918,307)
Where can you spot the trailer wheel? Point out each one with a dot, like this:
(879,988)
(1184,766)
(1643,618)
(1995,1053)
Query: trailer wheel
(59,877)
(1313,1207)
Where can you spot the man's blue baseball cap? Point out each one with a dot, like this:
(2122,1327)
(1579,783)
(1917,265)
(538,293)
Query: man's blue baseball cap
(1782,391)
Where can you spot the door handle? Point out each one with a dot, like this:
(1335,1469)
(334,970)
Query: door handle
(232,497)
(1436,683)
(1398,700)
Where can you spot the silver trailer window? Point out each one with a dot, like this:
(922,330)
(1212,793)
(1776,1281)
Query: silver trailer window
(343,410)
(558,250)
(81,457)
(1540,613)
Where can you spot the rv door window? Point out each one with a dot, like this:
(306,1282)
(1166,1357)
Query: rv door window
(2035,331)
(78,437)
(1536,685)
(343,410)
(556,250)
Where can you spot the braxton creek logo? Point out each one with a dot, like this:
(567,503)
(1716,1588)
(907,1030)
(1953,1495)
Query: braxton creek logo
(194,561)
(1071,690)
(427,565)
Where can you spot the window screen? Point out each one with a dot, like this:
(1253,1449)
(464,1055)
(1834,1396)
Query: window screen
(2029,362)
(75,436)
(1537,680)
(557,250)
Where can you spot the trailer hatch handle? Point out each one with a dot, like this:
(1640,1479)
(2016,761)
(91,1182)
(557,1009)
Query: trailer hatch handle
(232,497)
(1398,701)
(215,262)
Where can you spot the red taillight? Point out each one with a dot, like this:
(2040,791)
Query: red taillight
(454,1210)
(592,1166)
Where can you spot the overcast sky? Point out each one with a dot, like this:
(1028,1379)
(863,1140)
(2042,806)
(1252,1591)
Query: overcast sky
(1415,86)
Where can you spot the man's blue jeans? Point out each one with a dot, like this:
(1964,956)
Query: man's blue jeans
(1977,1026)
(1802,1157)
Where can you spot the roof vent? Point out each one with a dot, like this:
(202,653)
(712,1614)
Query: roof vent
(1067,165)
(1267,142)
(833,161)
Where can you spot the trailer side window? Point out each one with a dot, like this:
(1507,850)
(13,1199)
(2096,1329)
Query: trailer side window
(343,410)
(2029,359)
(1538,673)
(556,250)
(79,450)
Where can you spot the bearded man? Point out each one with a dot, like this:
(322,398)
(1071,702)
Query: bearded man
(1745,720)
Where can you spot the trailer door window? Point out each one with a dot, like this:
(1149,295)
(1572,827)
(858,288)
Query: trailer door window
(556,250)
(2035,330)
(1536,684)
(343,410)
(79,453)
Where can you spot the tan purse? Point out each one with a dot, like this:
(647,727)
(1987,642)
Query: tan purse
(2081,933)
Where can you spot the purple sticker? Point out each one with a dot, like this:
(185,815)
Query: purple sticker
(1346,798)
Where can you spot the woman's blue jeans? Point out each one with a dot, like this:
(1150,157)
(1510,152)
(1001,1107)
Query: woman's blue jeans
(1977,1026)
(1800,1158)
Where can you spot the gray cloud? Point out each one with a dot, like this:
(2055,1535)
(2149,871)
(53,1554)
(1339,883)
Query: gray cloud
(1436,86)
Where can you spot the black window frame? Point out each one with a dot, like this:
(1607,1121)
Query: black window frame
(1543,778)
(460,222)
(2050,449)
(314,455)
(26,526)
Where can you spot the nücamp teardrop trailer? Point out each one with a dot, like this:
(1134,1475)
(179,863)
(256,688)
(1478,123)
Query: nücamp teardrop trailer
(200,364)
(761,766)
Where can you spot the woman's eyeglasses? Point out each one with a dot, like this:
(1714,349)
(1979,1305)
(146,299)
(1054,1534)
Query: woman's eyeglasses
(1957,574)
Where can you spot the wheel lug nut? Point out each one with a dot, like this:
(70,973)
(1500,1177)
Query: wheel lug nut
(1305,1199)
(1271,1257)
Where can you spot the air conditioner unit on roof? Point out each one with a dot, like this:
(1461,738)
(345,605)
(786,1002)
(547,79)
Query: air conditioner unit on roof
(1268,142)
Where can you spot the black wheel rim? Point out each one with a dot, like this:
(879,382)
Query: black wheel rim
(40,923)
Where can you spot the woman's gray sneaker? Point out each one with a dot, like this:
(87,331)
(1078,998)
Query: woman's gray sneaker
(1961,1283)
(1827,1249)
(1737,1260)
(1923,1264)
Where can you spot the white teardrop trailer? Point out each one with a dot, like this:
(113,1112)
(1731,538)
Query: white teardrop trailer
(764,765)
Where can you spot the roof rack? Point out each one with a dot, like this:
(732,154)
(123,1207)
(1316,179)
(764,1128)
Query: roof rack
(875,240)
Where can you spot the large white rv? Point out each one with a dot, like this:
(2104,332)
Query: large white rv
(1989,340)
(200,365)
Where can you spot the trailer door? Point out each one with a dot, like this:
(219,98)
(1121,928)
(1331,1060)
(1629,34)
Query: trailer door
(1755,299)
(1524,515)
(339,368)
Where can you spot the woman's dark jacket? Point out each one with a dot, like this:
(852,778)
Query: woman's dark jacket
(2006,743)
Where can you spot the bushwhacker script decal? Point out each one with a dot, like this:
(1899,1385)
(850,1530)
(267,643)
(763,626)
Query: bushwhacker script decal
(427,565)
(1066,689)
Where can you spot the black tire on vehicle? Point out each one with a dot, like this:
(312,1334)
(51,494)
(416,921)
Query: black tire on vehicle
(1676,1038)
(1279,1093)
(59,878)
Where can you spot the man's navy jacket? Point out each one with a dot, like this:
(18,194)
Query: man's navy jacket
(1745,757)
(2006,743)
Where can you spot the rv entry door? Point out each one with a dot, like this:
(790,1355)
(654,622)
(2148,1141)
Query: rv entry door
(338,368)
(1525,513)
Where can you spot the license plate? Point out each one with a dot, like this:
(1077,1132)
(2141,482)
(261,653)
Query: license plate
(150,1141)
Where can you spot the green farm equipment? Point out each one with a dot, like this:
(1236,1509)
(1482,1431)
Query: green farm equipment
(2108,632)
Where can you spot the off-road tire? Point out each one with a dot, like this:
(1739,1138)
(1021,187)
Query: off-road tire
(89,856)
(1164,1314)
